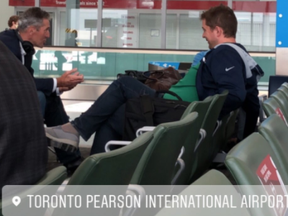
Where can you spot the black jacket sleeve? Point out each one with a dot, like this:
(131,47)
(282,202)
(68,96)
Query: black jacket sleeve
(10,39)
(42,84)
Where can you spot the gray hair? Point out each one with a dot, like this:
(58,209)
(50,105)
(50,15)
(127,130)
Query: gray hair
(32,17)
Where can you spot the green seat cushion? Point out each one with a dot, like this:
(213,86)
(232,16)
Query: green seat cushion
(186,87)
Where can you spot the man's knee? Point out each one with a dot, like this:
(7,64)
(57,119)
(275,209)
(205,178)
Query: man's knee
(126,79)
(55,113)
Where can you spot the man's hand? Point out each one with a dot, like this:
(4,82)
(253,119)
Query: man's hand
(70,79)
(63,89)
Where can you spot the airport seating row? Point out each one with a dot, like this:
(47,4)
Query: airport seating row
(173,153)
(258,164)
(261,158)
(150,159)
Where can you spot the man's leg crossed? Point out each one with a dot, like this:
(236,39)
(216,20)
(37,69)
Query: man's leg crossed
(89,122)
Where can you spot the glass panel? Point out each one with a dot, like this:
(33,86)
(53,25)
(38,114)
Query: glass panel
(150,30)
(172,31)
(256,31)
(63,27)
(105,65)
(119,29)
(256,24)
(133,27)
(191,32)
(88,27)
(137,23)
(76,22)
(82,27)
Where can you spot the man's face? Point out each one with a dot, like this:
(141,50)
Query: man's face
(39,36)
(210,35)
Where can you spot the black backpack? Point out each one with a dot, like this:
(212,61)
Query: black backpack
(151,111)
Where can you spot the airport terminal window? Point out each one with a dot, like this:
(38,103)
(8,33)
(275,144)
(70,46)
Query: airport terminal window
(150,30)
(256,31)
(78,28)
(137,23)
(190,31)
(172,31)
(120,28)
(62,29)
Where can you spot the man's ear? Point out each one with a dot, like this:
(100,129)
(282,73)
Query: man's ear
(31,30)
(219,31)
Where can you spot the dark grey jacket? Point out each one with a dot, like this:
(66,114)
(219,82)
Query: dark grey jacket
(23,147)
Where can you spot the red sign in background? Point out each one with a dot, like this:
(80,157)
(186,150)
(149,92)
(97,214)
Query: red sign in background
(247,6)
(271,180)
(281,115)
(22,3)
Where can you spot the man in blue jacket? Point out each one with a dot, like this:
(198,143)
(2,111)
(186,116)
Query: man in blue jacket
(33,30)
(228,66)
(223,67)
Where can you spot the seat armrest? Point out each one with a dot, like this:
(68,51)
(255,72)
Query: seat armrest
(135,191)
(218,124)
(181,152)
(262,115)
(114,143)
(182,167)
(143,130)
(202,134)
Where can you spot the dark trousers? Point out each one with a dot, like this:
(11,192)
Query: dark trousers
(42,100)
(56,115)
(106,115)
(251,106)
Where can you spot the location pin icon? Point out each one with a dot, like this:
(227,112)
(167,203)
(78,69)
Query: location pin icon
(16,200)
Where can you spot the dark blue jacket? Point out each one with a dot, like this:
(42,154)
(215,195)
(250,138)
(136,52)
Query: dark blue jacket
(223,68)
(11,40)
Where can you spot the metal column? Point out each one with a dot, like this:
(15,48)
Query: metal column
(163,24)
(99,24)
(37,3)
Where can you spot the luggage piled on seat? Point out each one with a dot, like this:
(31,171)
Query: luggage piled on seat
(158,79)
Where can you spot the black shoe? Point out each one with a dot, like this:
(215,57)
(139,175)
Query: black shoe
(72,166)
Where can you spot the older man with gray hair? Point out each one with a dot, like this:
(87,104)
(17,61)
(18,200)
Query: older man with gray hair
(34,30)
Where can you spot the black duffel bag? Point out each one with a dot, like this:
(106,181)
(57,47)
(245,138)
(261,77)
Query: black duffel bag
(151,111)
(141,76)
(158,80)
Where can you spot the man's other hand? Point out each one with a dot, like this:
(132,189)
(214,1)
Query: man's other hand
(70,79)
